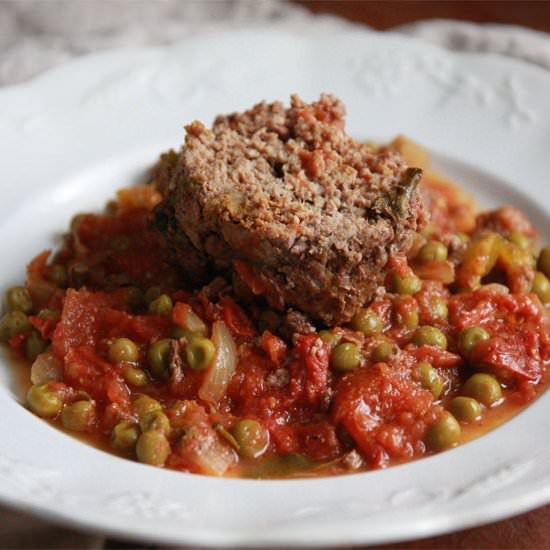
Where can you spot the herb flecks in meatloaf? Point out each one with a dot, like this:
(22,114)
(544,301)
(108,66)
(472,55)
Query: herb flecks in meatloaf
(289,205)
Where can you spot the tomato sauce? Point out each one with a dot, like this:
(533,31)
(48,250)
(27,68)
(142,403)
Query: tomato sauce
(129,358)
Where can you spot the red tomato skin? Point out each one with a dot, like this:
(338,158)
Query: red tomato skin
(45,327)
(316,440)
(17,342)
(85,370)
(236,320)
(385,412)
(519,333)
(274,347)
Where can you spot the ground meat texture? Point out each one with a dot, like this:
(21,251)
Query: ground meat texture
(163,171)
(295,323)
(304,214)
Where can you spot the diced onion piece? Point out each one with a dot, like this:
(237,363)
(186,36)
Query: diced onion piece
(414,153)
(200,448)
(138,196)
(479,259)
(205,452)
(495,288)
(219,374)
(443,271)
(46,368)
(195,323)
(186,318)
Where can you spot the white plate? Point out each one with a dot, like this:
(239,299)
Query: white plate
(72,136)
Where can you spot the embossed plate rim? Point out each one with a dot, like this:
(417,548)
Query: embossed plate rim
(68,110)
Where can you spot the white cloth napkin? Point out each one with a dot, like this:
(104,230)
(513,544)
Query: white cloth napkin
(510,40)
(34,37)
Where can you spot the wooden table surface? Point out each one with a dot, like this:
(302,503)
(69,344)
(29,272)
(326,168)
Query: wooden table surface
(384,14)
(531,530)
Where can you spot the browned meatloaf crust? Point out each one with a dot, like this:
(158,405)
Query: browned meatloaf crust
(284,199)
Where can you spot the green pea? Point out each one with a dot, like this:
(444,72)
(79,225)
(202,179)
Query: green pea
(410,320)
(367,322)
(50,314)
(383,351)
(427,230)
(155,420)
(444,433)
(152,294)
(406,285)
(483,387)
(144,405)
(519,239)
(13,323)
(153,448)
(439,309)
(78,416)
(58,275)
(35,345)
(180,332)
(124,436)
(251,437)
(329,337)
(345,357)
(158,357)
(220,428)
(43,401)
(543,264)
(430,379)
(430,336)
(465,409)
(135,377)
(470,337)
(121,243)
(123,350)
(541,287)
(432,251)
(161,306)
(200,352)
(18,299)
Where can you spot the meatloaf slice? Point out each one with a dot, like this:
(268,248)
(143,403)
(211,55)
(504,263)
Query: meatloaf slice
(290,205)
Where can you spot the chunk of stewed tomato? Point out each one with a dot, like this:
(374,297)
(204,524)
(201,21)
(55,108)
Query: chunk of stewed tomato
(385,412)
